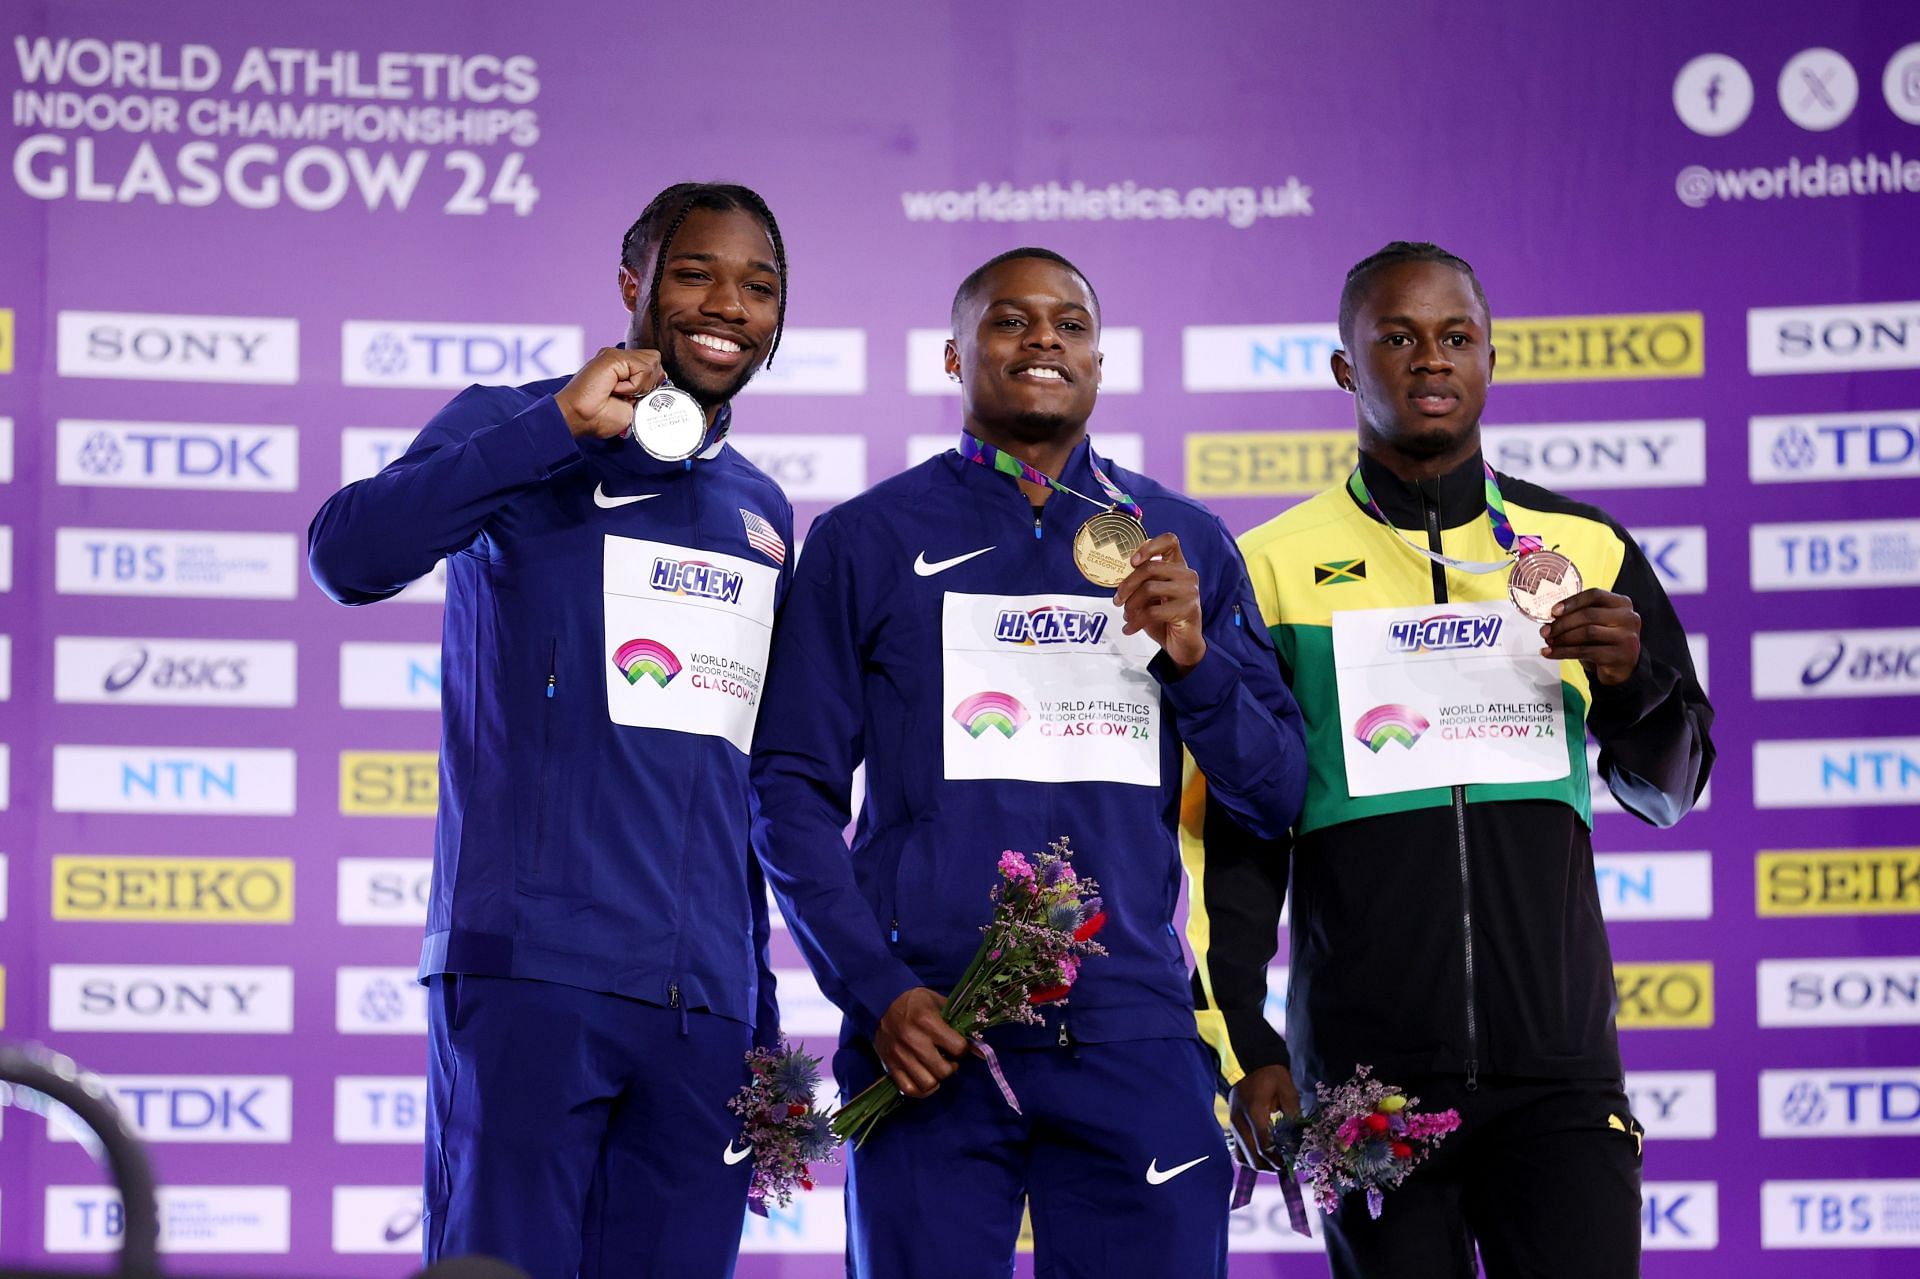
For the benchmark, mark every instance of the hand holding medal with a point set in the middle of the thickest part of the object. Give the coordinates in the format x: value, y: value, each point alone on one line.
x: 1599, y: 629
x: 1161, y: 596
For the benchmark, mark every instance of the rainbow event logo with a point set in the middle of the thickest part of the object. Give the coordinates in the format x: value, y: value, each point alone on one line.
x: 638, y: 657
x: 1391, y: 723
x: 983, y: 711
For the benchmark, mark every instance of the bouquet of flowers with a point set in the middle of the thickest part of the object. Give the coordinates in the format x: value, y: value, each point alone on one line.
x: 1362, y: 1135
x: 1044, y: 920
x: 781, y: 1126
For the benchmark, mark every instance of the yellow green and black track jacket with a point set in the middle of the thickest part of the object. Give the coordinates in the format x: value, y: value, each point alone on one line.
x: 1454, y: 929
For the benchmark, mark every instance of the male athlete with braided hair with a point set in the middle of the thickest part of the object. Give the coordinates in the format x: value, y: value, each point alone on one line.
x: 595, y: 948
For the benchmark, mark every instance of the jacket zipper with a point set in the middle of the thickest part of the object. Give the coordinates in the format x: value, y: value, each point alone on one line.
x: 1460, y: 833
x: 541, y: 798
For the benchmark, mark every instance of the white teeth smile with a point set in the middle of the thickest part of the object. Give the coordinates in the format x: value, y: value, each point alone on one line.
x: 713, y: 343
x: 1051, y: 375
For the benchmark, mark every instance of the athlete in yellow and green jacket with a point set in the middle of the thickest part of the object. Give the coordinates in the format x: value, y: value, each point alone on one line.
x: 1449, y: 936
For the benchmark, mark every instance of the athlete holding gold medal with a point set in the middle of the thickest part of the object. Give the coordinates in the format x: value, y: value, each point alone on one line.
x: 960, y: 585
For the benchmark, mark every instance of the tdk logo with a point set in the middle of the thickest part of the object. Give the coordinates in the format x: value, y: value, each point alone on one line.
x: 1446, y: 631
x: 455, y: 355
x: 1679, y: 1215
x: 1843, y: 446
x: 1050, y: 624
x: 1882, y: 1102
x: 200, y: 1108
x: 697, y: 578
x: 178, y: 348
x: 176, y: 455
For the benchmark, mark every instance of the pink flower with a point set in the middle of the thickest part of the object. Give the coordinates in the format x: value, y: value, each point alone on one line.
x: 1069, y: 969
x: 1014, y: 866
x: 1349, y: 1131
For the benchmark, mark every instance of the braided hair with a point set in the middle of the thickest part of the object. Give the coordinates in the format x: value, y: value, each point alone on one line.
x: 671, y: 208
x: 1393, y: 255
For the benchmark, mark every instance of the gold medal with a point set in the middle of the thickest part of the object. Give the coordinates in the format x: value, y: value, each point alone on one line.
x: 1540, y: 580
x: 1103, y: 548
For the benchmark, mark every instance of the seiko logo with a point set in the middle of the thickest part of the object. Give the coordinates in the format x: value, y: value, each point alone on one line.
x: 1812, y: 339
x: 1602, y: 454
x: 1447, y: 631
x: 177, y: 347
x: 694, y: 577
x: 453, y: 355
x: 1584, y: 348
x: 1050, y: 624
x: 1649, y: 995
x: 225, y: 889
x: 1266, y: 463
x: 1852, y: 881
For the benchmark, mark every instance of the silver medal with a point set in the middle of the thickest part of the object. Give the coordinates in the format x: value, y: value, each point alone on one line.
x: 668, y: 423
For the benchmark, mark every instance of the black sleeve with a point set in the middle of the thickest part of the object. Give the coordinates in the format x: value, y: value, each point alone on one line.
x: 1235, y: 899
x: 1655, y: 751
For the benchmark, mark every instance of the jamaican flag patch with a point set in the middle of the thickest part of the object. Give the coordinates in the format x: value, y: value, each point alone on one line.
x: 1338, y: 571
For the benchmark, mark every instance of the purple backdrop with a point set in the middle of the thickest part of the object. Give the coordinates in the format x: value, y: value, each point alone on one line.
x: 241, y: 247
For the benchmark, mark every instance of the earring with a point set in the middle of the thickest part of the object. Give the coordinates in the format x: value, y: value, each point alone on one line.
x: 954, y: 376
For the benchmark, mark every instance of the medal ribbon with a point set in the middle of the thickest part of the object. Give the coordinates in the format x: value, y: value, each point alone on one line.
x: 1514, y: 544
x: 976, y: 450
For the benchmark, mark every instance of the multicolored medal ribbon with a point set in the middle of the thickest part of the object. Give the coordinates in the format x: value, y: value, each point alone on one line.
x: 1104, y: 546
x: 1243, y: 1179
x: 1538, y: 578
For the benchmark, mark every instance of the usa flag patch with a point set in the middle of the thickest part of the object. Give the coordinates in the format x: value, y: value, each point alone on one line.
x: 763, y: 537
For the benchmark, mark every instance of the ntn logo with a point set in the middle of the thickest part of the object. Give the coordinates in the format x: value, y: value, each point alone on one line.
x: 1878, y: 770
x: 160, y: 778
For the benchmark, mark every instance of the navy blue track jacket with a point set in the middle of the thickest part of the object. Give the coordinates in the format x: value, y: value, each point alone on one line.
x: 603, y: 654
x: 940, y: 632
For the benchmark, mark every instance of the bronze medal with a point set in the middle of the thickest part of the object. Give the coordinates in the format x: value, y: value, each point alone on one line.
x: 1103, y: 548
x: 1541, y: 579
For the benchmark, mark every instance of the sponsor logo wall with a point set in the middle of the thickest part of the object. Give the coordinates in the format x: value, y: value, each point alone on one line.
x: 262, y: 255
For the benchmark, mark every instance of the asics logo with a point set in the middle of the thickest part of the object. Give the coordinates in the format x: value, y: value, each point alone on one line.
x: 1157, y: 1175
x: 924, y: 569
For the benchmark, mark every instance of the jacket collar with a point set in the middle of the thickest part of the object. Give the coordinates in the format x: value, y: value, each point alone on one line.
x: 1460, y: 494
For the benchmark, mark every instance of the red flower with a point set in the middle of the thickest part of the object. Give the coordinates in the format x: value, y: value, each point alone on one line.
x: 1049, y: 994
x: 1401, y: 1150
x: 1092, y: 926
x: 1376, y: 1123
x: 806, y: 1183
x: 795, y: 1110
